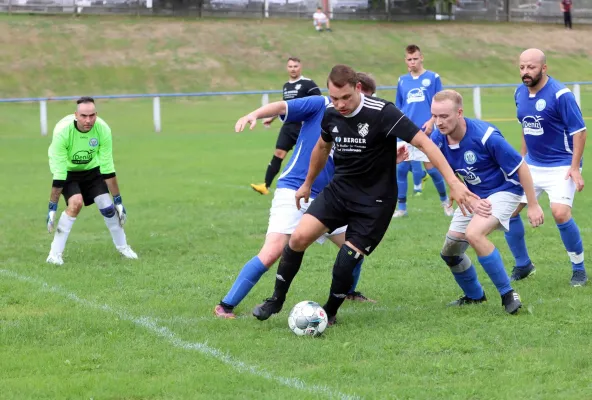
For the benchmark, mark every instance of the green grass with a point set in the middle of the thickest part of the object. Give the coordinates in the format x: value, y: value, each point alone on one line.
x: 105, y: 328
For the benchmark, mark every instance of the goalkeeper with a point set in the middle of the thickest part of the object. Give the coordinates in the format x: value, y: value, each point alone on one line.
x: 81, y: 161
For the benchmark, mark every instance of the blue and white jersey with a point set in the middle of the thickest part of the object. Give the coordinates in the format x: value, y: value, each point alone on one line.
x: 310, y: 111
x: 415, y: 94
x: 483, y: 158
x: 549, y: 120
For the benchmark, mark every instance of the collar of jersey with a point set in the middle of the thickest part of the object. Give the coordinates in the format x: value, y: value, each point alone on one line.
x: 534, y: 96
x: 357, y: 110
x: 296, y: 80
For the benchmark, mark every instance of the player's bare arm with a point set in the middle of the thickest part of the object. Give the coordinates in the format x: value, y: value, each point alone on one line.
x: 55, y: 194
x: 579, y: 142
x: 269, y: 110
x: 113, y: 186
x: 318, y: 159
x: 458, y: 191
x: 535, y: 213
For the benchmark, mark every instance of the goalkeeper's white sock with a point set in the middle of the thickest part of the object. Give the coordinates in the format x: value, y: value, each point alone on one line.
x: 116, y: 230
x: 61, y: 234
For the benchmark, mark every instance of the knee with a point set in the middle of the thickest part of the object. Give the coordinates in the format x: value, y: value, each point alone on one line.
x: 108, y: 212
x: 75, y: 204
x: 279, y: 153
x: 453, y: 251
x: 561, y: 213
x: 473, y: 237
x: 300, y: 241
x: 451, y: 261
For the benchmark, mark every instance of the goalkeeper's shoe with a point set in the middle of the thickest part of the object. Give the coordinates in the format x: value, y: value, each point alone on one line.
x: 127, y: 252
x: 260, y: 188
x: 55, y: 259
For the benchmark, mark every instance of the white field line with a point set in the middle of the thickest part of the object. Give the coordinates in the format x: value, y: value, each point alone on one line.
x: 151, y: 325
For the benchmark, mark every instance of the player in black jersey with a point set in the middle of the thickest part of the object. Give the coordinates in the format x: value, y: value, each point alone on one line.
x: 362, y: 131
x: 297, y: 87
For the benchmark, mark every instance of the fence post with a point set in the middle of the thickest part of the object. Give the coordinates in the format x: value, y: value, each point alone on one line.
x: 156, y: 112
x: 477, y: 101
x: 576, y: 93
x: 265, y: 99
x: 266, y: 8
x: 43, y: 117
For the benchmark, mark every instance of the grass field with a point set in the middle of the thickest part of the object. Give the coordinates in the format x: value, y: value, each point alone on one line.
x: 105, y: 328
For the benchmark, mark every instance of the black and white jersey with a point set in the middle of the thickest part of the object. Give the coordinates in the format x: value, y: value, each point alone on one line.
x: 365, y: 149
x: 302, y: 87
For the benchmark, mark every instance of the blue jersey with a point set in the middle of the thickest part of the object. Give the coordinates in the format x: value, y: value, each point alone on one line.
x: 310, y: 111
x: 415, y: 94
x: 483, y: 158
x: 549, y: 120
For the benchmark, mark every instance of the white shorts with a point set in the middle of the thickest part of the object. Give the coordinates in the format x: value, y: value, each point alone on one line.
x: 552, y: 181
x: 414, y: 153
x: 284, y: 216
x: 503, y: 205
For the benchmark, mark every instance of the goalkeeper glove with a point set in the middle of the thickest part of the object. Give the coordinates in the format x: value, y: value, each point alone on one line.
x: 53, y: 207
x: 121, y: 213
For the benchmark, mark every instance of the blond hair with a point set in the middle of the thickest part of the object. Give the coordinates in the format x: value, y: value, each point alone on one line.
x: 450, y: 94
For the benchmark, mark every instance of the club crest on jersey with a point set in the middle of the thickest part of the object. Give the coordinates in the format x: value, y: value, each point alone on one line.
x: 363, y: 129
x: 93, y: 142
x: 470, y: 157
x: 531, y: 125
x: 338, y: 139
x: 297, y: 87
x: 426, y: 82
x: 540, y: 104
x: 415, y: 96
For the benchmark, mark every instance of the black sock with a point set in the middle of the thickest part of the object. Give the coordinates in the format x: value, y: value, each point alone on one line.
x: 272, y: 170
x: 287, y: 270
x: 346, y: 261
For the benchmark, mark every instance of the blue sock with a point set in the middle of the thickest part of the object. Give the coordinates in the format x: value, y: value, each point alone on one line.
x: 494, y: 266
x: 403, y: 204
x: 418, y: 174
x: 246, y: 279
x: 402, y: 172
x: 516, y: 242
x: 468, y: 282
x: 570, y: 234
x: 438, y: 183
x: 356, y: 275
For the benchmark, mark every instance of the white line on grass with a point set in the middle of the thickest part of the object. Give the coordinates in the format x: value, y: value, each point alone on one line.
x: 163, y: 332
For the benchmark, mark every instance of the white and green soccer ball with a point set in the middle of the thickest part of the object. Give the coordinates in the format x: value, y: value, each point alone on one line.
x: 307, y: 318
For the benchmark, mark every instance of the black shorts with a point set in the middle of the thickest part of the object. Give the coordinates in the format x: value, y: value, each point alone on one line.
x: 288, y: 136
x: 366, y: 225
x: 88, y: 183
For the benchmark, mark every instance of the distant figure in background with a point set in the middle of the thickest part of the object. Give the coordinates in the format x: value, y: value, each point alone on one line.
x: 320, y: 18
x: 566, y: 9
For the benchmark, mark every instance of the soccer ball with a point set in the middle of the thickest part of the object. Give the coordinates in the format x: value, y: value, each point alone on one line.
x: 307, y: 318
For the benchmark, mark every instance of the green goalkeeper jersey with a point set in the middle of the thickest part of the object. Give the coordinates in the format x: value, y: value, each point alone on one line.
x: 72, y: 150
